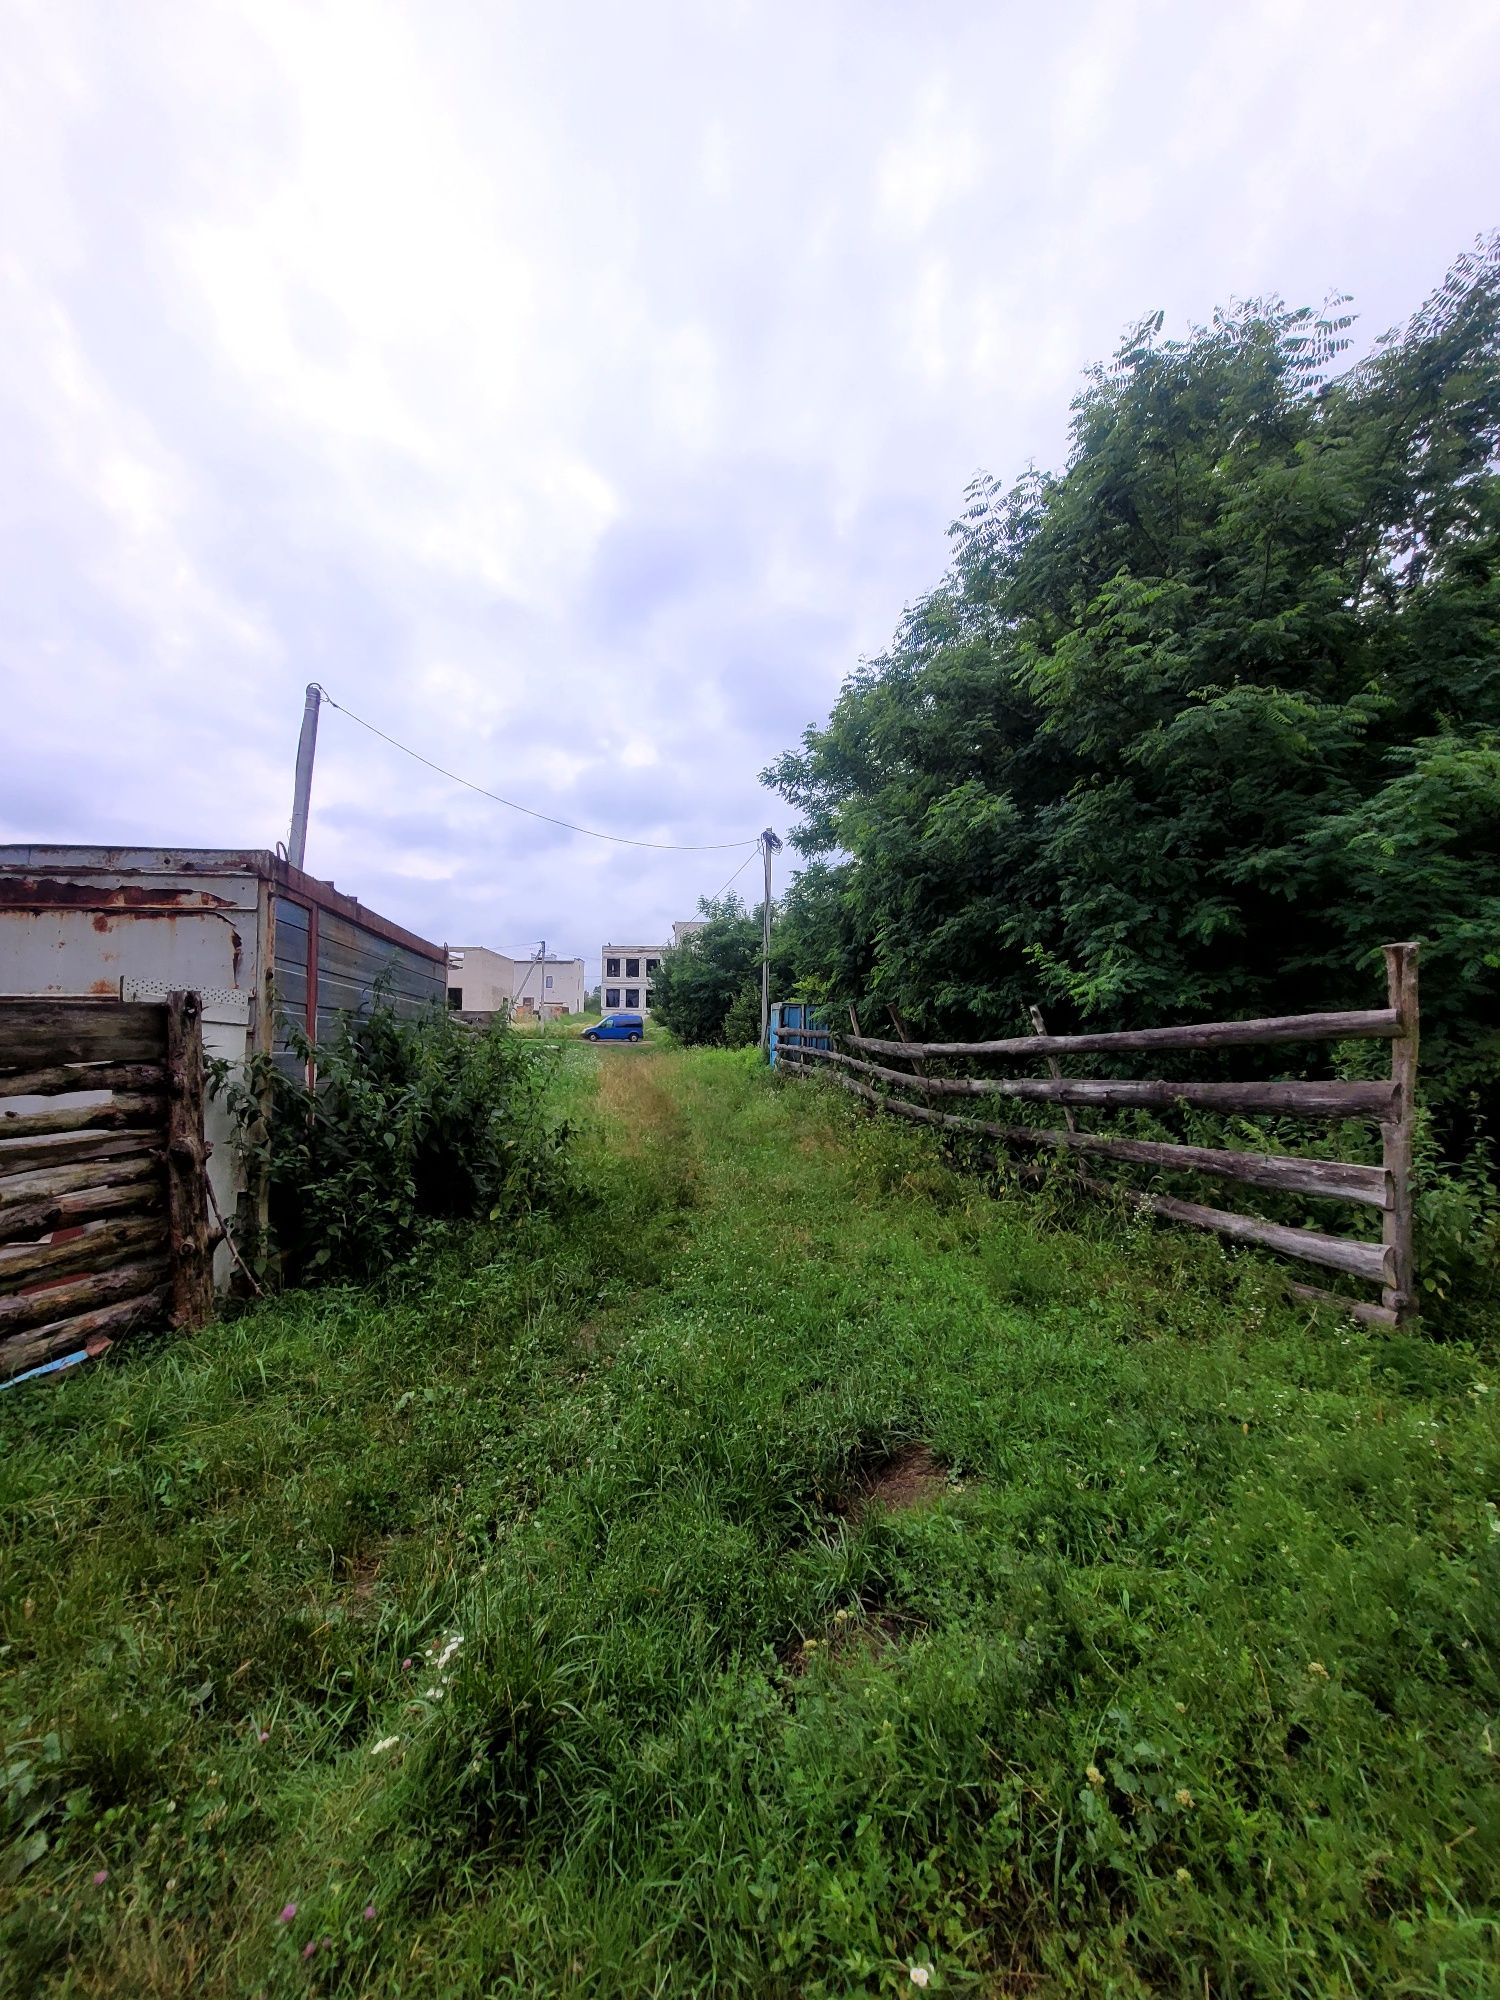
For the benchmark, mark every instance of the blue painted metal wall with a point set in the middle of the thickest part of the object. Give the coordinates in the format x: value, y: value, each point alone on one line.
x: 797, y: 1014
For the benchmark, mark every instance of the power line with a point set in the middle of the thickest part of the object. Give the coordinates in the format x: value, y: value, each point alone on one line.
x: 620, y: 839
x: 738, y: 871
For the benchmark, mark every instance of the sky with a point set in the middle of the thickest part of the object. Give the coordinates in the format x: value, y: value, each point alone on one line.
x: 580, y: 393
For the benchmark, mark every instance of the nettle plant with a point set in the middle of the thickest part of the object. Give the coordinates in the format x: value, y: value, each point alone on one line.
x: 406, y: 1124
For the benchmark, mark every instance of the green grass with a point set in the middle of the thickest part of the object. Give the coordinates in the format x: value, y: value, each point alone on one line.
x: 1184, y: 1684
x: 559, y: 1023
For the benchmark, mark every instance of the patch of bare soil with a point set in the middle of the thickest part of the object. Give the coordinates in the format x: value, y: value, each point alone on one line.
x: 911, y: 1477
x: 587, y: 1336
x: 872, y: 1636
x: 363, y: 1575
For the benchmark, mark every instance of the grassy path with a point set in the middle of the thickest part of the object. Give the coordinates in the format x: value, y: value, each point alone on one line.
x: 537, y: 1625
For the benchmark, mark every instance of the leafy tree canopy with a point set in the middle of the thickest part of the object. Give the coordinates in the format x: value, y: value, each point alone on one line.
x: 700, y: 988
x: 1190, y: 729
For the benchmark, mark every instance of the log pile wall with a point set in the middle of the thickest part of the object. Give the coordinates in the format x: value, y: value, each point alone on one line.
x: 103, y: 1216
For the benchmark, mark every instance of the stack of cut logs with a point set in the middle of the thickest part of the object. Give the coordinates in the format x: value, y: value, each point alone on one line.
x: 103, y: 1216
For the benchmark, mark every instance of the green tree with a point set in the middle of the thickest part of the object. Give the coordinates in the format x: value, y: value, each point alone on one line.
x: 700, y: 985
x: 1192, y: 727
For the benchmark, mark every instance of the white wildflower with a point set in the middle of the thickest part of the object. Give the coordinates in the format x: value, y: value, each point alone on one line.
x: 919, y: 1974
x: 386, y: 1743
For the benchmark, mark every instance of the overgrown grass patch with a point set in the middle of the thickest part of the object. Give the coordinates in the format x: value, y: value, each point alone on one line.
x: 1184, y: 1677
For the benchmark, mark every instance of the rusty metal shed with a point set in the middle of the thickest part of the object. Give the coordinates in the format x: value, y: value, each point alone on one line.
x: 263, y: 943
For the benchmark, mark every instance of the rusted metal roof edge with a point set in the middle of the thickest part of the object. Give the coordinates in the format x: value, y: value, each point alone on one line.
x: 31, y: 859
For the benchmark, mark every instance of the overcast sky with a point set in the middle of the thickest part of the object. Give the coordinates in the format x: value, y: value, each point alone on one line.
x: 578, y: 392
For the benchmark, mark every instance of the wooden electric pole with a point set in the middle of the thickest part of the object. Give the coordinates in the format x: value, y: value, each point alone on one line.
x: 768, y: 844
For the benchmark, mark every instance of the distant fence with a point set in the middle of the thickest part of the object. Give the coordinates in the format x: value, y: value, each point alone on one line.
x: 1390, y: 1103
x: 103, y: 1217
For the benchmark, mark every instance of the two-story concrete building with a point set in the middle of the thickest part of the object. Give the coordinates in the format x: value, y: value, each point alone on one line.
x: 625, y: 974
x: 481, y: 981
x: 626, y: 970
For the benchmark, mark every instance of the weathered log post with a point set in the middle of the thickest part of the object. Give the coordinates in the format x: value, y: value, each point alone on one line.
x: 903, y: 1033
x: 1070, y: 1117
x: 1399, y: 1294
x: 187, y: 1160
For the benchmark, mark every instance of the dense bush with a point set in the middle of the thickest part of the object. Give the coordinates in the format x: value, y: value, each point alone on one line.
x: 1191, y: 729
x: 408, y: 1122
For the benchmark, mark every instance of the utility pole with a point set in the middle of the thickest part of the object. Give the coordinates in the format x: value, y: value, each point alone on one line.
x: 307, y: 744
x: 768, y: 845
x: 526, y: 980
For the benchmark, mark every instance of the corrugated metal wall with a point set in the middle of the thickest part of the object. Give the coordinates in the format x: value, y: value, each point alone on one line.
x: 350, y: 963
x: 291, y: 932
x: 351, y: 959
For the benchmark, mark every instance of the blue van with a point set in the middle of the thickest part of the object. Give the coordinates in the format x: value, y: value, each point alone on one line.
x: 617, y: 1028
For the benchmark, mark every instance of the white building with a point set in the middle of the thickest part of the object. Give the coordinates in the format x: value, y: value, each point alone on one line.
x: 481, y: 981
x: 626, y: 970
x: 625, y: 973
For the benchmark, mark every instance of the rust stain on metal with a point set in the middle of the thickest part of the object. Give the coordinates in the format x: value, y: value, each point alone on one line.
x: 45, y: 892
x: 105, y: 988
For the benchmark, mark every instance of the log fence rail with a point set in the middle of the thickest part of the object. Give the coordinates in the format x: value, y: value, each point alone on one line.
x: 1390, y: 1103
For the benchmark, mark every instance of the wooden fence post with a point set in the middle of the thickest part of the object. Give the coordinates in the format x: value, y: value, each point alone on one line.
x: 187, y: 1158
x: 1396, y: 1137
x: 1054, y: 1065
x: 898, y: 1022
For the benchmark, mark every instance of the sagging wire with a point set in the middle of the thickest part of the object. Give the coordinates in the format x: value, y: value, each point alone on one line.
x: 593, y: 833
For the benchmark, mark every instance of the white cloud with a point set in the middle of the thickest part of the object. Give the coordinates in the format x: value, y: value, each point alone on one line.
x: 940, y: 161
x: 579, y: 394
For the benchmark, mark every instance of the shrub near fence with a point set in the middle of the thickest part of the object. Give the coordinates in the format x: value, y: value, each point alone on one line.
x: 389, y: 1125
x: 1390, y: 1103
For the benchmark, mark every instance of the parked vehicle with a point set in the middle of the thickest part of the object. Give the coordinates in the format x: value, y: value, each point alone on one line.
x: 616, y: 1028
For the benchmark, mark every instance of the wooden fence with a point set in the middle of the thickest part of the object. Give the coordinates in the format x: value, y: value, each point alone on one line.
x: 103, y: 1218
x: 1390, y: 1103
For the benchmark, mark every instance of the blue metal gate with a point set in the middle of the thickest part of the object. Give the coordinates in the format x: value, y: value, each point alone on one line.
x: 798, y: 1014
